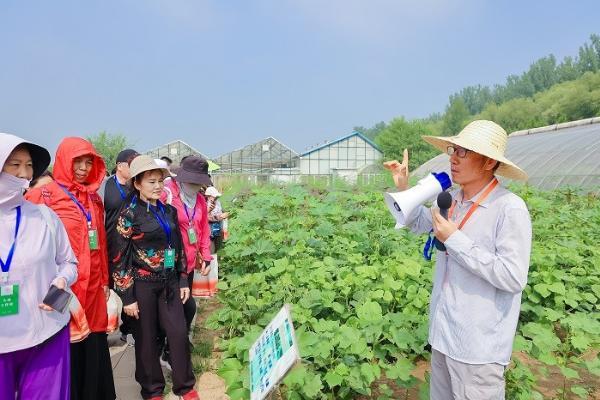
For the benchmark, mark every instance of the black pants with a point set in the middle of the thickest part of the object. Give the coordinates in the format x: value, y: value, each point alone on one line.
x: 127, y: 323
x: 189, y: 307
x: 91, y: 370
x: 155, y: 312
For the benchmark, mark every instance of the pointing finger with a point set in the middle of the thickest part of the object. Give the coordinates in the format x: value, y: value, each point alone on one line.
x: 405, y: 158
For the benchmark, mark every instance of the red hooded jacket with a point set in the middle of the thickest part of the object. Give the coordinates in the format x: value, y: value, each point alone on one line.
x: 93, y: 266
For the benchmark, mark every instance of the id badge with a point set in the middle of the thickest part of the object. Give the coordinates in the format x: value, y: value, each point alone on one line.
x: 169, y: 258
x: 9, y: 299
x: 93, y: 239
x: 192, y: 235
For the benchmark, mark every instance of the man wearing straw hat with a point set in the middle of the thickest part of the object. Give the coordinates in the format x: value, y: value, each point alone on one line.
x: 478, y: 280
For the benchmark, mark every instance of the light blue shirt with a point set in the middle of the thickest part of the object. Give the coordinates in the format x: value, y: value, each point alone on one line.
x: 477, y: 286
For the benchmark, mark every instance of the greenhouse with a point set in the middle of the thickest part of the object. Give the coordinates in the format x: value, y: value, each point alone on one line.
x: 350, y: 154
x: 555, y: 156
x: 263, y: 157
x: 176, y: 150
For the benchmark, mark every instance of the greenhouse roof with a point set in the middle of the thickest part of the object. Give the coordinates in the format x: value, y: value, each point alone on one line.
x: 327, y: 144
x: 562, y: 155
x: 265, y: 154
x: 176, y: 150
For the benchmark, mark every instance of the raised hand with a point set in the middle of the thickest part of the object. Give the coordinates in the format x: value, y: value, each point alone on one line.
x: 399, y: 171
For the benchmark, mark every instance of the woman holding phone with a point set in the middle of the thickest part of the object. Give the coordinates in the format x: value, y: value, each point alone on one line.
x: 35, y: 254
x: 78, y: 173
x: 150, y: 276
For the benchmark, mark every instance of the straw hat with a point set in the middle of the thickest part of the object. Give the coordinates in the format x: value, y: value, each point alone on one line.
x: 486, y: 138
x: 143, y: 163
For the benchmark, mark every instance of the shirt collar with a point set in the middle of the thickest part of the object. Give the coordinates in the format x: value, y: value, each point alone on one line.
x: 485, y: 202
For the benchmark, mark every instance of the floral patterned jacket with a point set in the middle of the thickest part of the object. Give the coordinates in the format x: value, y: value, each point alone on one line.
x: 142, y: 241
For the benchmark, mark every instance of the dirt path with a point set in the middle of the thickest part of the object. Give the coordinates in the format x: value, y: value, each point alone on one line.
x: 206, y: 354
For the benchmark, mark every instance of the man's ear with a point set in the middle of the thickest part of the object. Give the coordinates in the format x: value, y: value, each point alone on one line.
x: 490, y: 164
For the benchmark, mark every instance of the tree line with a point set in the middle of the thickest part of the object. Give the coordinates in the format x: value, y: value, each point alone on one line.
x: 547, y: 93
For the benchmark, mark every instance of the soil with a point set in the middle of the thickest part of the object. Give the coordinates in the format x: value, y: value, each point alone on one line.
x: 208, y: 384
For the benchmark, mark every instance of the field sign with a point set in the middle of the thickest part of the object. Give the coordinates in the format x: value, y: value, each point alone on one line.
x: 273, y: 354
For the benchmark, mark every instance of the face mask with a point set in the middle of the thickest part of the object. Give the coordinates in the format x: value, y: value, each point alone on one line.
x: 188, y: 194
x: 12, y: 188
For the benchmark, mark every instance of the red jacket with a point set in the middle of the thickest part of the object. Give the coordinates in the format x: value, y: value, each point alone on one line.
x: 200, y: 224
x: 93, y: 266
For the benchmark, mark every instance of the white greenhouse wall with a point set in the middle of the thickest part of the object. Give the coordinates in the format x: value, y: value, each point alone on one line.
x: 350, y: 153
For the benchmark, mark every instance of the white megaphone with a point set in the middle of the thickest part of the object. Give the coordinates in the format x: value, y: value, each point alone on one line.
x: 402, y: 204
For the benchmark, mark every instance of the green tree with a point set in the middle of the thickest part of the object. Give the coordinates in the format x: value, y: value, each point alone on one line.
x: 542, y: 73
x: 567, y: 70
x: 589, y: 55
x: 372, y: 132
x: 455, y: 117
x: 474, y: 97
x: 514, y: 115
x: 109, y: 146
x: 401, y: 134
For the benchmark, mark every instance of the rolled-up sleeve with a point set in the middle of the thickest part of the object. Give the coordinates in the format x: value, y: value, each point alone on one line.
x: 507, y: 267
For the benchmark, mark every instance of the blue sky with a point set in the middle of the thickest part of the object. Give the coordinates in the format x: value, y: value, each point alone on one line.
x: 223, y: 74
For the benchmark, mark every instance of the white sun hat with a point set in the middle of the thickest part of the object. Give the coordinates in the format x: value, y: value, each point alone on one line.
x: 212, y: 191
x: 486, y: 138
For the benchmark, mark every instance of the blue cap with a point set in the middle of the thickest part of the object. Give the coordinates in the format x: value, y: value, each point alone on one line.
x: 443, y: 179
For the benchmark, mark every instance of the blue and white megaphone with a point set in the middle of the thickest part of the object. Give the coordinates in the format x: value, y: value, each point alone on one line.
x: 402, y: 204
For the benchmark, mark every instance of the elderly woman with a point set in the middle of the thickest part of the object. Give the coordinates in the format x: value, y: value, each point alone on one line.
x: 150, y: 276
x: 78, y: 173
x: 34, y: 338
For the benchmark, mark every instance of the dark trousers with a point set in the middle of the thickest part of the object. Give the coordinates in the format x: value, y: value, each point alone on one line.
x: 126, y: 324
x: 189, y: 307
x: 91, y: 369
x: 155, y: 312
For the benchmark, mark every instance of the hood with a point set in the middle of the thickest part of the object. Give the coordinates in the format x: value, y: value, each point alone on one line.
x: 69, y: 149
x: 39, y: 155
x: 11, y: 187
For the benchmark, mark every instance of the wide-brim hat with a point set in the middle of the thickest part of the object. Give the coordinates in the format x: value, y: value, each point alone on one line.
x: 193, y: 170
x: 143, y: 163
x: 486, y: 138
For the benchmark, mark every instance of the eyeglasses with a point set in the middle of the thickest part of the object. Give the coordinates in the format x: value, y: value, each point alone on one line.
x: 460, y: 152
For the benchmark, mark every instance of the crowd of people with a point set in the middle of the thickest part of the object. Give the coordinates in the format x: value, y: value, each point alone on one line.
x: 145, y: 232
x: 150, y: 232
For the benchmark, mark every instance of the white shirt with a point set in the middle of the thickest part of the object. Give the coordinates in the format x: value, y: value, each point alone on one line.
x: 40, y: 257
x: 477, y: 286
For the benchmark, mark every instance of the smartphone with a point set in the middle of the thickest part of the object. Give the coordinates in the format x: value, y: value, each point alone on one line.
x: 58, y: 299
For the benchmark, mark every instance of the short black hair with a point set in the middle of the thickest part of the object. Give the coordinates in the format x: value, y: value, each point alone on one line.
x: 167, y: 159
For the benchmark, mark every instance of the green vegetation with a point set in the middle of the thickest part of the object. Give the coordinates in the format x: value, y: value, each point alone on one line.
x: 360, y: 291
x: 109, y: 146
x: 547, y: 93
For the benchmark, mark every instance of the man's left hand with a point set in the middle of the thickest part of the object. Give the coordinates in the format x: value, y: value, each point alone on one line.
x: 442, y: 228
